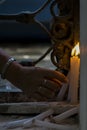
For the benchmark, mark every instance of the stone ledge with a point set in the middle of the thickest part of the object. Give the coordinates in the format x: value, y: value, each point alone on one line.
x: 34, y: 107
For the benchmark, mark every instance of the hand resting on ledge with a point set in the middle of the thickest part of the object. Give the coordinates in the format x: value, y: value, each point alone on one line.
x: 36, y: 82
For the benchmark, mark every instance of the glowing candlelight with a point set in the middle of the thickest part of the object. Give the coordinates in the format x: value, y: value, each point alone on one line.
x: 75, y: 50
x: 74, y: 74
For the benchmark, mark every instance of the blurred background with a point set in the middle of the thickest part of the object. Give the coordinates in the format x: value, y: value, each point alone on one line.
x: 12, y: 31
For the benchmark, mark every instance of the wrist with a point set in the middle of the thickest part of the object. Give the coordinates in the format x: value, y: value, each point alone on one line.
x: 3, y: 59
x: 6, y: 67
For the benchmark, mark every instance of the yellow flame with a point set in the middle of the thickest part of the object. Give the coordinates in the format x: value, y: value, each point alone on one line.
x: 75, y: 50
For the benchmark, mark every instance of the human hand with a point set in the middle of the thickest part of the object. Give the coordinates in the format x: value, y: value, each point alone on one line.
x: 40, y: 83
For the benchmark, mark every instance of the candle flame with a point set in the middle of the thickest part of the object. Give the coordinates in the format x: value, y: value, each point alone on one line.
x: 75, y: 50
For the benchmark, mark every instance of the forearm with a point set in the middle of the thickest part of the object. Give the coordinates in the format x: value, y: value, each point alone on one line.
x: 3, y: 59
x: 13, y: 73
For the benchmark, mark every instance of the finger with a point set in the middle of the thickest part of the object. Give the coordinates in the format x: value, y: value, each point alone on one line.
x: 57, y: 81
x: 56, y: 75
x: 38, y: 97
x: 52, y: 85
x: 46, y: 92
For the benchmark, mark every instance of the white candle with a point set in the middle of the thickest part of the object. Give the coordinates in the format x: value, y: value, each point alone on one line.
x: 74, y: 77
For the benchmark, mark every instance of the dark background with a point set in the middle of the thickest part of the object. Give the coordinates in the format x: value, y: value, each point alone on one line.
x: 12, y: 31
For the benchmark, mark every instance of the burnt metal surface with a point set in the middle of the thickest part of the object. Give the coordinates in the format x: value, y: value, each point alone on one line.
x: 65, y: 32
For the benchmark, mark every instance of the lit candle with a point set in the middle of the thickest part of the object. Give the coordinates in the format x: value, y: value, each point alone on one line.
x: 74, y: 75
